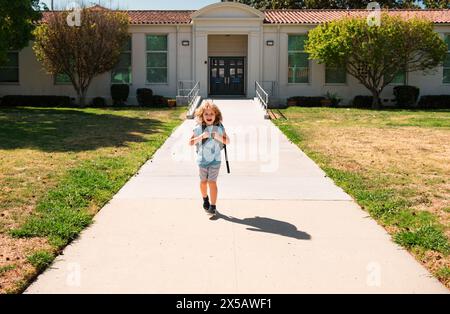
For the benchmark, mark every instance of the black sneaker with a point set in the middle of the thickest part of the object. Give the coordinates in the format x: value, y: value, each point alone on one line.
x: 212, y: 210
x: 206, y: 203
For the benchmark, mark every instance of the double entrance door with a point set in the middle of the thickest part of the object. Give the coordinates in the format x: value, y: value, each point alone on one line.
x: 227, y: 76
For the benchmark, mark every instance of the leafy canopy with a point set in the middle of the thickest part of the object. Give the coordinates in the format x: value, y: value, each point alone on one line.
x: 81, y: 52
x: 376, y: 54
x: 17, y: 20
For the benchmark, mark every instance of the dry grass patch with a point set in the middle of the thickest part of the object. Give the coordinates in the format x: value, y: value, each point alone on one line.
x: 396, y: 164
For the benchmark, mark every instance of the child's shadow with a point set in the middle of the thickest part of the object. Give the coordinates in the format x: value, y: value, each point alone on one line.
x: 268, y: 225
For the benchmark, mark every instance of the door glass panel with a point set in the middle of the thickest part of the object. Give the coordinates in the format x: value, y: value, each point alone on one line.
x: 232, y: 63
x: 221, y: 72
x: 221, y: 62
x: 214, y: 73
x: 240, y: 71
x: 232, y: 72
x: 240, y: 62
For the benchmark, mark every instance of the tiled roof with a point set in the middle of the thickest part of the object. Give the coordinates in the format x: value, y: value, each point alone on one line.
x: 322, y: 16
x: 160, y: 17
x: 142, y: 17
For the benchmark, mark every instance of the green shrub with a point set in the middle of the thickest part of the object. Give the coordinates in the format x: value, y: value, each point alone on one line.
x: 406, y: 96
x: 98, y: 102
x: 36, y: 101
x: 363, y: 101
x: 434, y: 102
x: 159, y: 101
x: 144, y: 97
x: 120, y: 93
x: 306, y: 101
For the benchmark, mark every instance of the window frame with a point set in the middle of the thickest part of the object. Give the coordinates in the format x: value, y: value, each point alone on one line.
x: 335, y: 84
x: 10, y: 67
x: 298, y: 51
x: 157, y: 51
x: 55, y: 81
x: 405, y: 82
x: 130, y: 52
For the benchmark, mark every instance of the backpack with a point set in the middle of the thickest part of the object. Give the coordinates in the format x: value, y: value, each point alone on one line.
x: 222, y: 146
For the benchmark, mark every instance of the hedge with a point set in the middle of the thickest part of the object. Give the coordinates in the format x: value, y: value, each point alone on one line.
x: 363, y: 101
x: 119, y: 94
x: 304, y: 101
x: 36, y: 101
x: 434, y: 102
x: 406, y: 96
x: 144, y: 97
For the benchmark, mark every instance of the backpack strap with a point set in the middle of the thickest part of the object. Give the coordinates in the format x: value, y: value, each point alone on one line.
x: 225, y: 151
x: 203, y: 131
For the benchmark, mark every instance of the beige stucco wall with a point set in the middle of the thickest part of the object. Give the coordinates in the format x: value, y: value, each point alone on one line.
x: 227, y: 45
x: 207, y: 37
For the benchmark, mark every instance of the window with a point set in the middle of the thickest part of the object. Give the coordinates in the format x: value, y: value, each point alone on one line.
x: 62, y: 79
x: 121, y: 74
x: 298, y: 62
x: 156, y: 59
x: 335, y: 75
x: 399, y: 78
x: 447, y: 61
x: 9, y: 71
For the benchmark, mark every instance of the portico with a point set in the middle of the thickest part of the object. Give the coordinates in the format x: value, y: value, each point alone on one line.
x: 221, y: 31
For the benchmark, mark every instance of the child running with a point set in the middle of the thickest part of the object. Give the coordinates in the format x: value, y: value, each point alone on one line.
x: 209, y: 135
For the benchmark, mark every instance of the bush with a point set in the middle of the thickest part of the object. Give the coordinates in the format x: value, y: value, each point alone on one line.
x: 144, y: 97
x: 406, y: 96
x: 434, y: 102
x: 159, y: 101
x: 363, y: 101
x: 36, y: 101
x: 98, y: 102
x: 304, y: 101
x: 120, y: 93
x: 333, y: 98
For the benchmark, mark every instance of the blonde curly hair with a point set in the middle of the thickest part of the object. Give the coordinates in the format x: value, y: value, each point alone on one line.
x: 205, y: 106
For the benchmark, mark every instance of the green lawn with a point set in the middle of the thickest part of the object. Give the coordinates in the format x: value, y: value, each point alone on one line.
x: 58, y: 167
x: 395, y: 164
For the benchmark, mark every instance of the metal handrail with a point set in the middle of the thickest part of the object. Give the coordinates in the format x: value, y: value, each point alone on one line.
x: 182, y: 89
x: 263, y: 97
x: 192, y: 97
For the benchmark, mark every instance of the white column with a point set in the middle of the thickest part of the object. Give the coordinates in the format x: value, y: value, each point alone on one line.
x: 138, y: 66
x: 253, y: 62
x: 201, y: 62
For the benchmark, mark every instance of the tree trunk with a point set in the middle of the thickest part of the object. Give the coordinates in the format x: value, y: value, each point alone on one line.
x: 82, y: 98
x: 376, y: 103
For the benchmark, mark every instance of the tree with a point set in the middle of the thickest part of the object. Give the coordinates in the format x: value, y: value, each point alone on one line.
x: 326, y: 4
x: 376, y: 54
x: 271, y: 4
x: 81, y: 52
x: 17, y: 20
x: 356, y: 4
x: 437, y: 4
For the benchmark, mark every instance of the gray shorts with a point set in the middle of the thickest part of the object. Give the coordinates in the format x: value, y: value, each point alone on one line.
x: 209, y: 173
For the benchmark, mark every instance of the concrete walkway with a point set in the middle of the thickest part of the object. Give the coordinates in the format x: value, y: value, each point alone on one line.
x: 284, y: 227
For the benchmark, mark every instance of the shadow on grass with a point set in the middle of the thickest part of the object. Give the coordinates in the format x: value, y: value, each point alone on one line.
x: 66, y: 130
x: 268, y: 225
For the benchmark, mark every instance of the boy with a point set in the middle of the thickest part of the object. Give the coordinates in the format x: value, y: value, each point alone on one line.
x: 209, y: 136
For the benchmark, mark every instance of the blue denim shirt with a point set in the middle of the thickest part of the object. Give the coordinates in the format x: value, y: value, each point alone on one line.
x: 209, y: 153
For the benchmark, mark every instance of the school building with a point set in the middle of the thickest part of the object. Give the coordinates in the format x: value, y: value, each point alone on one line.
x: 226, y: 47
